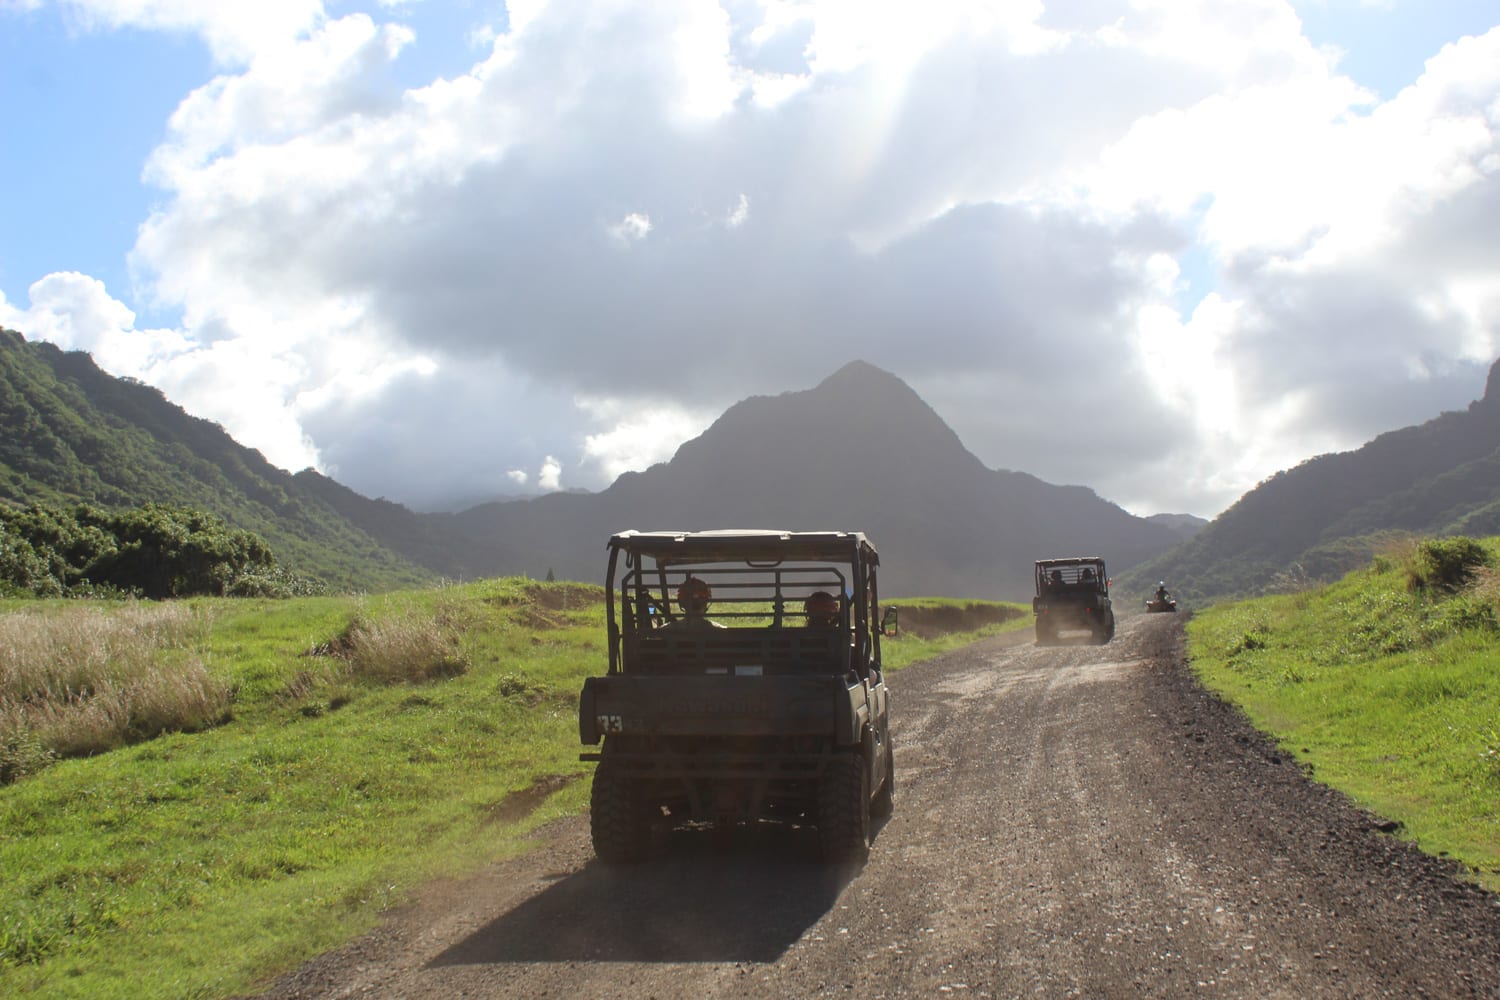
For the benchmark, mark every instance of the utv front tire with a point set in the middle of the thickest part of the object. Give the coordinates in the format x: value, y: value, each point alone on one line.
x: 618, y: 821
x: 844, y: 810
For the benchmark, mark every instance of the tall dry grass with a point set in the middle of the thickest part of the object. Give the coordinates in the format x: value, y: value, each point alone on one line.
x: 394, y: 645
x: 1485, y: 585
x: 87, y: 679
x: 406, y: 645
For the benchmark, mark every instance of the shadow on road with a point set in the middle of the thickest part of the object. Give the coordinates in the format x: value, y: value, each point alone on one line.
x: 700, y: 901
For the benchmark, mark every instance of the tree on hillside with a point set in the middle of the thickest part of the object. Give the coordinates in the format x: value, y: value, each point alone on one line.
x: 166, y: 551
x: 155, y: 551
x: 22, y: 569
x: 49, y: 550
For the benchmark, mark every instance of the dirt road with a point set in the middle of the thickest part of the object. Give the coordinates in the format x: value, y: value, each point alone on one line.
x: 1072, y: 821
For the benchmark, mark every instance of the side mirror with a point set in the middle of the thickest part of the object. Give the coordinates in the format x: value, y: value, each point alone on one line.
x: 889, y: 622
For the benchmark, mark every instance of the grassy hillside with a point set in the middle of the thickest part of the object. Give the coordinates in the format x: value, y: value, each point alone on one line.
x: 73, y: 433
x: 351, y: 748
x: 1384, y: 686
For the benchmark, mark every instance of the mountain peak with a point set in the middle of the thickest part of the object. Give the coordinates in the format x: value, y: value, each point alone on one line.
x: 1492, y: 386
x: 859, y: 371
x: 858, y: 412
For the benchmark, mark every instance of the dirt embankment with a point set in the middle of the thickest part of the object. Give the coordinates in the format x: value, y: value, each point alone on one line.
x: 1071, y: 821
x: 928, y: 622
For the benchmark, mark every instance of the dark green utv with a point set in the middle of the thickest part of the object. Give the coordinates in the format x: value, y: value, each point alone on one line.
x: 1072, y: 595
x: 744, y: 686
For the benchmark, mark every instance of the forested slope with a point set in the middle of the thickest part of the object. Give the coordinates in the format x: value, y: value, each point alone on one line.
x: 1330, y: 514
x: 73, y: 433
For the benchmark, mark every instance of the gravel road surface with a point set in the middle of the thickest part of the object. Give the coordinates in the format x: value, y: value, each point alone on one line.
x: 1071, y: 821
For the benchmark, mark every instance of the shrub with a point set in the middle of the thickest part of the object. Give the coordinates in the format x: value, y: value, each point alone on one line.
x: 1445, y: 563
x: 23, y: 571
x: 156, y: 551
x: 275, y: 582
x: 166, y: 551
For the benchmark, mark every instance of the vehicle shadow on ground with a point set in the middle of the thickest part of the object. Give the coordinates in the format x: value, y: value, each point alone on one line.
x: 700, y: 899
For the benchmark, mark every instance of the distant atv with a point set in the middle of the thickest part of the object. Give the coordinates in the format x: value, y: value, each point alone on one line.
x: 744, y: 685
x: 1072, y: 595
x: 1161, y: 601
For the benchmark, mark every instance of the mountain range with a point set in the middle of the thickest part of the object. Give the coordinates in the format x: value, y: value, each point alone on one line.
x: 859, y: 450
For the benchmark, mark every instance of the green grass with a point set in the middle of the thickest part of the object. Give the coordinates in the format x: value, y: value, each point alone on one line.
x: 1385, y: 685
x: 373, y: 744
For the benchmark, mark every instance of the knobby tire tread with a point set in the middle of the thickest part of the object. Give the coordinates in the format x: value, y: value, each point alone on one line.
x: 617, y: 823
x: 844, y: 810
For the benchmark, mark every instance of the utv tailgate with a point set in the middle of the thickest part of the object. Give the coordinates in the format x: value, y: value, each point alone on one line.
x: 719, y: 706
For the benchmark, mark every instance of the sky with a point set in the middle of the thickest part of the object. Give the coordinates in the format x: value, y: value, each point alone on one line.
x: 451, y: 251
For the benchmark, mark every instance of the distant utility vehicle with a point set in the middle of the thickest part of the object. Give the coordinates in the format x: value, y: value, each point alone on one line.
x: 1072, y: 595
x: 744, y: 685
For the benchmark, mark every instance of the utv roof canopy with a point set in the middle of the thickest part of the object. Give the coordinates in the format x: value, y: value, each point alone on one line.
x: 669, y: 547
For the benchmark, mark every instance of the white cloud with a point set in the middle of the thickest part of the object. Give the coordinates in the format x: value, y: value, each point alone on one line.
x: 235, y: 30
x: 631, y: 229
x: 76, y: 313
x: 639, y: 435
x: 286, y: 96
x: 427, y: 289
x: 550, y: 477
x: 740, y: 213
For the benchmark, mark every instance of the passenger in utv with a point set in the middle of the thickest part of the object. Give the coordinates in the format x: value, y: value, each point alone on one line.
x: 692, y: 600
x: 822, y: 609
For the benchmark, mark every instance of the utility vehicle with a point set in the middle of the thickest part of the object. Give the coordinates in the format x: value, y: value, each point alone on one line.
x: 744, y: 686
x: 1072, y: 595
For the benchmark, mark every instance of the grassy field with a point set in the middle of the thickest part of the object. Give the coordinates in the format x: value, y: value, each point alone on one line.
x: 1385, y: 685
x: 256, y: 781
x: 203, y: 793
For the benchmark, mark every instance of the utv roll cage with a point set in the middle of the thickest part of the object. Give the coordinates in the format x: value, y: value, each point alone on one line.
x: 760, y: 582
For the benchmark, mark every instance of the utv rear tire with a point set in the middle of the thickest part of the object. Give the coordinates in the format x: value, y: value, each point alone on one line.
x: 618, y: 821
x: 844, y: 810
